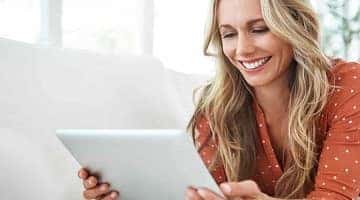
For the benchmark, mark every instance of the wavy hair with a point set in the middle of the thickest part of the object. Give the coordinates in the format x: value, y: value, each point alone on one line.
x: 226, y: 100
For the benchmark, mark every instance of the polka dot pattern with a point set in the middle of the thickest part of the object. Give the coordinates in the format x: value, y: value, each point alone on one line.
x: 339, y: 162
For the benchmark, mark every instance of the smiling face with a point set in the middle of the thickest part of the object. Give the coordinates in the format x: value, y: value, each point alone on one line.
x: 262, y: 58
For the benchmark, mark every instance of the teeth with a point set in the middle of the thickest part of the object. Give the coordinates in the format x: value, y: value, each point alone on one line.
x: 253, y: 65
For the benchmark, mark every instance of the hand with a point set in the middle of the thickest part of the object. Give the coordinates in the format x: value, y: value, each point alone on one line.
x: 244, y: 190
x: 95, y: 190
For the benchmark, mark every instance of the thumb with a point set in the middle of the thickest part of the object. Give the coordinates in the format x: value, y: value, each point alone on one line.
x: 246, y: 188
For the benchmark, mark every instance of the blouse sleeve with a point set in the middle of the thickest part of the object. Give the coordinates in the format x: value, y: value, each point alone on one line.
x: 207, y: 148
x: 338, y: 175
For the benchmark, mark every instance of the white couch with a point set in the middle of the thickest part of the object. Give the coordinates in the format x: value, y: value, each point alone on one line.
x: 44, y: 89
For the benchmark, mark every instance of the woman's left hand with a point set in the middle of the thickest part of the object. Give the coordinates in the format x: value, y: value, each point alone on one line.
x: 244, y: 190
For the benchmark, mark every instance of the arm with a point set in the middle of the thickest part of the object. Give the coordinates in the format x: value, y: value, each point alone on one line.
x: 338, y: 175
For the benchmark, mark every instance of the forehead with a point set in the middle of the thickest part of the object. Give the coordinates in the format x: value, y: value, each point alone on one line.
x: 238, y: 11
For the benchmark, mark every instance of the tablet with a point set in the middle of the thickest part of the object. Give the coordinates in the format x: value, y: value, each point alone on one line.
x: 140, y: 164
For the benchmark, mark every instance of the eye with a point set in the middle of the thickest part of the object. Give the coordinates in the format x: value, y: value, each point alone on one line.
x: 228, y: 35
x: 260, y: 30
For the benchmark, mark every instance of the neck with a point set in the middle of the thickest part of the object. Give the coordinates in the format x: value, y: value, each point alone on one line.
x: 273, y: 99
x: 273, y: 102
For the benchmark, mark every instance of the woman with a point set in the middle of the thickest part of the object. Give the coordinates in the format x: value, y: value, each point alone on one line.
x: 279, y: 120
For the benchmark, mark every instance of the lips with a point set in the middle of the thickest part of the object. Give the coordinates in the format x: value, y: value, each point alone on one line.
x: 256, y: 63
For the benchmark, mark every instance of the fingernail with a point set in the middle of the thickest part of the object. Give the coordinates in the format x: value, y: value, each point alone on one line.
x: 103, y: 187
x: 226, y: 188
x: 113, y: 195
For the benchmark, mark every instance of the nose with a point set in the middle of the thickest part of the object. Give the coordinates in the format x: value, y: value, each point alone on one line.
x: 245, y: 45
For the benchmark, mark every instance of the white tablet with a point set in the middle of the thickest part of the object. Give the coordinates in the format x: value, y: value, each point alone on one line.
x: 141, y: 164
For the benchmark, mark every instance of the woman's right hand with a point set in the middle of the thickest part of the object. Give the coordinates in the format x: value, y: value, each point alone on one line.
x: 94, y: 189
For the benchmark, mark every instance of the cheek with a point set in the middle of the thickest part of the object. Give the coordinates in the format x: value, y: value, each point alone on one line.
x: 228, y: 50
x: 272, y: 43
x: 227, y: 53
x: 286, y: 58
x: 289, y: 52
x: 269, y: 44
x: 275, y: 45
x: 286, y: 54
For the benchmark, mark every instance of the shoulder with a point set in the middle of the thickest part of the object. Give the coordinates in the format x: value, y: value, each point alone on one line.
x: 344, y: 100
x: 343, y: 73
x: 338, y: 162
x: 345, y: 77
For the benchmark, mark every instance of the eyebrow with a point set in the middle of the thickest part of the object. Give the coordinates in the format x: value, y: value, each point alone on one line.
x: 250, y: 22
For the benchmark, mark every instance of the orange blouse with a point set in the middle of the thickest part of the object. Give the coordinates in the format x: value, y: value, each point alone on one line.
x: 338, y: 173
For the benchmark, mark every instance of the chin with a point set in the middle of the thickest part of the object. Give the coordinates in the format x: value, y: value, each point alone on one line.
x: 256, y: 83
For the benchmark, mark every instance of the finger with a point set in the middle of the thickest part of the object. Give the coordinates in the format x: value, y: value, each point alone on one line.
x: 111, y: 196
x: 97, y: 191
x: 83, y: 173
x: 191, y: 194
x: 90, y: 182
x: 246, y: 189
x: 208, y: 194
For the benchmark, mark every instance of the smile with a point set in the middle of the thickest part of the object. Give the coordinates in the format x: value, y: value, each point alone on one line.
x: 256, y: 63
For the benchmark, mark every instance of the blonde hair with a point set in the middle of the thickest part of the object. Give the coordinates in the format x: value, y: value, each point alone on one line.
x: 226, y: 101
